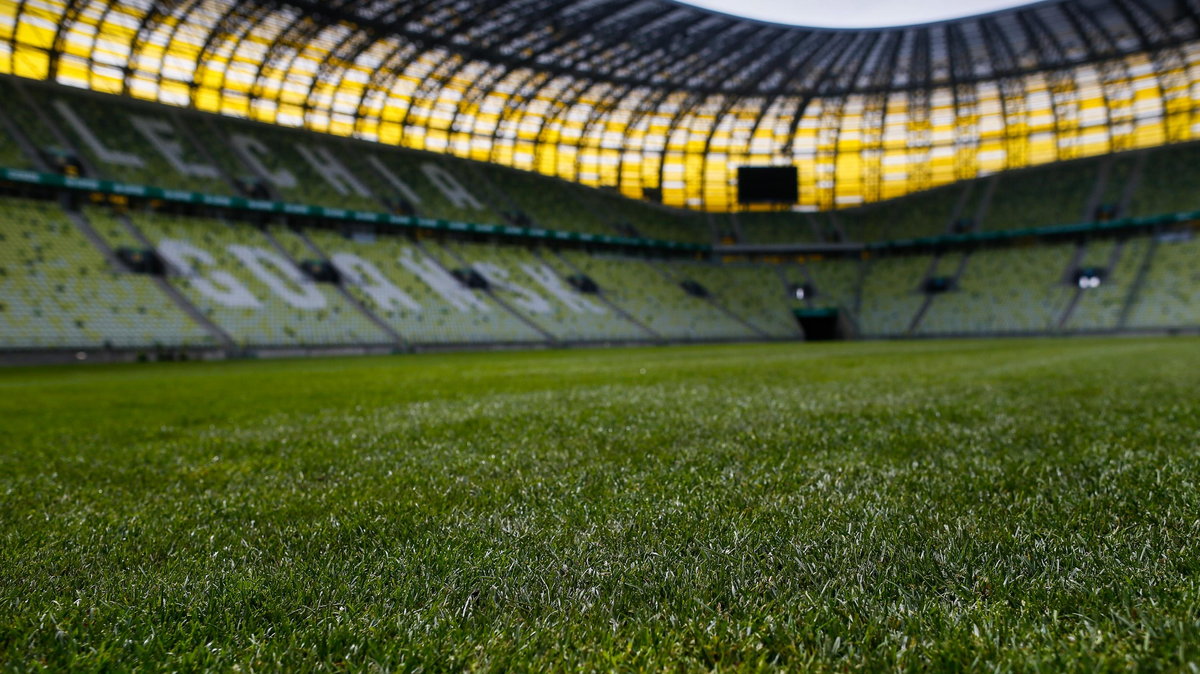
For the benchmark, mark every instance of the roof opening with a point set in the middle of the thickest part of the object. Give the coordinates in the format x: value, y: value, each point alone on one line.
x: 856, y: 13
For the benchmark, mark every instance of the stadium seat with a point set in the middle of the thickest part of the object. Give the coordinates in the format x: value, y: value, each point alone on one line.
x: 11, y: 155
x: 1168, y: 181
x: 235, y: 276
x: 655, y: 299
x: 1041, y: 196
x: 1018, y: 290
x: 647, y: 220
x: 527, y: 283
x: 775, y: 227
x: 755, y: 293
x: 1169, y: 296
x: 290, y: 162
x: 415, y: 294
x: 1100, y: 308
x: 916, y: 215
x: 58, y: 291
x: 132, y: 143
x: 29, y: 120
x: 552, y: 206
x: 835, y: 282
x: 891, y: 295
x: 435, y: 187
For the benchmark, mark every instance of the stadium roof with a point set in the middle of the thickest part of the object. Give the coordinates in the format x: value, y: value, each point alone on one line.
x: 650, y: 93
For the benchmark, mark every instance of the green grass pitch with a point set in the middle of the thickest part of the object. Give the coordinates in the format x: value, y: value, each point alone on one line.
x: 993, y: 505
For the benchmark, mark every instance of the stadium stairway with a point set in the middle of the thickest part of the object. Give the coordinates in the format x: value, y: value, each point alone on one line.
x: 751, y: 294
x: 986, y: 199
x: 815, y: 225
x: 1169, y: 293
x: 492, y: 191
x: 16, y: 150
x: 543, y: 295
x: 1132, y: 183
x: 1099, y: 309
x: 208, y: 155
x: 960, y: 207
x: 737, y: 232
x: 786, y: 272
x: 95, y: 238
x: 929, y: 275
x: 34, y: 125
x: 947, y: 265
x: 655, y: 300
x: 1082, y: 252
x: 1139, y: 281
x: 496, y: 288
x: 1099, y: 187
x: 716, y: 291
x: 118, y: 140
x: 58, y: 291
x: 566, y: 269
x: 834, y: 283
x: 303, y: 248
x: 1004, y: 291
x: 118, y: 228
x: 891, y: 294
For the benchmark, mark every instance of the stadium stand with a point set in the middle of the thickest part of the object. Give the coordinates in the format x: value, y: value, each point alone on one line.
x: 508, y: 303
x: 289, y: 164
x: 753, y: 293
x: 891, y: 295
x: 416, y: 294
x: 1169, y: 296
x: 627, y: 217
x: 1043, y: 195
x: 58, y: 291
x: 235, y: 276
x: 12, y: 155
x: 31, y: 124
x: 108, y: 224
x: 399, y: 291
x: 1168, y: 182
x: 543, y: 295
x: 1100, y: 308
x: 1118, y: 184
x: 549, y: 206
x: 687, y: 227
x: 834, y: 281
x: 922, y: 214
x: 131, y: 143
x: 428, y: 185
x: 149, y: 145
x: 775, y: 227
x: 656, y: 300
x: 1019, y: 289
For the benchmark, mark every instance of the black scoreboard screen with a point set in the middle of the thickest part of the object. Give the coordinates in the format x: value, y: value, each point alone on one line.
x: 768, y: 185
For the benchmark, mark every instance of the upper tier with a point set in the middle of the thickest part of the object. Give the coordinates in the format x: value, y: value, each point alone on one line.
x: 651, y: 94
x: 144, y: 143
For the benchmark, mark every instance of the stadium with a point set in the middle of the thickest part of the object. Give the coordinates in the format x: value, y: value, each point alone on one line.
x: 406, y: 335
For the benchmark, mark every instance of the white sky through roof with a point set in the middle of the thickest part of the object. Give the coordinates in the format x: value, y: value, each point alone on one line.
x: 856, y: 13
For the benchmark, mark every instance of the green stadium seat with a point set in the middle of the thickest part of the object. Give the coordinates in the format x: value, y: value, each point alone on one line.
x: 58, y: 291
